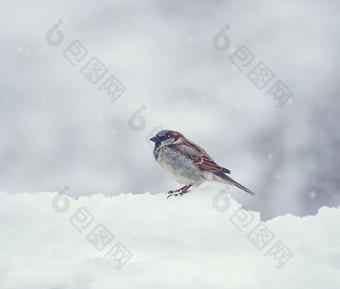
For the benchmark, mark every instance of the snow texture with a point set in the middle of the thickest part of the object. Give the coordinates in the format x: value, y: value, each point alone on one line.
x: 199, y: 240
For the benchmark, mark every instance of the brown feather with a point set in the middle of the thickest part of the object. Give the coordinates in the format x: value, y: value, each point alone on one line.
x: 202, y: 159
x: 233, y: 182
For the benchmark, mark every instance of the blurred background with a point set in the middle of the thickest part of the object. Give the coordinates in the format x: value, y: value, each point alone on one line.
x: 58, y: 128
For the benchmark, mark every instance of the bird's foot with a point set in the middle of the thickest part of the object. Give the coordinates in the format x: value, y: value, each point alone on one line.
x: 179, y: 192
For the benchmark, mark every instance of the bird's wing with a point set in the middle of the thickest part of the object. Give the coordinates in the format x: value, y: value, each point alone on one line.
x: 199, y: 157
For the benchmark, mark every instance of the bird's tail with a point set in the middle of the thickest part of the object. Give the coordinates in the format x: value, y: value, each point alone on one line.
x: 230, y: 181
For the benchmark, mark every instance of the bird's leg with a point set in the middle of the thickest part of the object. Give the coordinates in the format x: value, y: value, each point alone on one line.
x: 180, y: 191
x: 185, y: 189
x: 173, y: 193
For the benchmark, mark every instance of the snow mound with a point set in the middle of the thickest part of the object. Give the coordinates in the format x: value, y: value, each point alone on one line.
x: 199, y: 240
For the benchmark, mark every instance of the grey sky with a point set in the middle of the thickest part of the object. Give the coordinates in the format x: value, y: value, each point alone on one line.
x: 57, y: 129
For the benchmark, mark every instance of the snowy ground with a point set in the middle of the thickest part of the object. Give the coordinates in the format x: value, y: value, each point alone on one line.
x: 200, y: 240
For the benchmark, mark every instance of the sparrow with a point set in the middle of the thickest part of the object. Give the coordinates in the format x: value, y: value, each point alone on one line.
x: 187, y: 163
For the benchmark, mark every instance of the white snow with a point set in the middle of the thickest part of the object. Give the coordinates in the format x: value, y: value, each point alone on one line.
x: 181, y: 242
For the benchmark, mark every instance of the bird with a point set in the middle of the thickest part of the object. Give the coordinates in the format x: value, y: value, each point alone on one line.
x: 187, y: 163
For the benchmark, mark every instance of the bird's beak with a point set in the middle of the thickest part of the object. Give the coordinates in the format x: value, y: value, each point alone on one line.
x: 154, y: 139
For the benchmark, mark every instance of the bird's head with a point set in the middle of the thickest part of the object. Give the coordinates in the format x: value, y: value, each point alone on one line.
x: 167, y: 137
